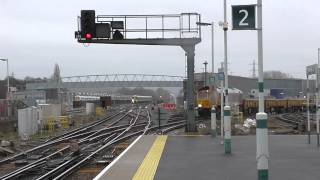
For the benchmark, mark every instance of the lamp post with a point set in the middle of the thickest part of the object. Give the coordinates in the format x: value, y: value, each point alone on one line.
x: 221, y: 70
x: 227, y: 118
x: 212, y: 41
x: 205, y: 73
x: 317, y: 100
x: 8, y: 83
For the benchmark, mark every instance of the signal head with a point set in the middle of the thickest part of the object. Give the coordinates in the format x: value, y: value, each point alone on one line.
x: 88, y: 36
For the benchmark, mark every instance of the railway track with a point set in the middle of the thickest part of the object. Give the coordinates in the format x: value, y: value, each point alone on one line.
x: 61, y: 156
x: 296, y: 119
x: 58, y: 139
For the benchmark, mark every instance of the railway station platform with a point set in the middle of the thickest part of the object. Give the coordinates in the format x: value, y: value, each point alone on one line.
x: 202, y: 158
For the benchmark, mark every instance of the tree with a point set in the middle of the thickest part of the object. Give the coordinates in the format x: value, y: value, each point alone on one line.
x: 276, y: 75
x: 28, y: 78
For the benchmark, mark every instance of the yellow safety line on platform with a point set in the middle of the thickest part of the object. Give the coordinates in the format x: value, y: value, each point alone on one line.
x: 189, y: 135
x: 148, y: 168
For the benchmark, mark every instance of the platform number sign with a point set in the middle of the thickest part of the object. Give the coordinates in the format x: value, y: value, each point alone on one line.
x: 244, y: 17
x: 221, y: 76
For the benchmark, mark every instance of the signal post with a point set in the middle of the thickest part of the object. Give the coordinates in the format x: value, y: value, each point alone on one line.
x: 243, y: 17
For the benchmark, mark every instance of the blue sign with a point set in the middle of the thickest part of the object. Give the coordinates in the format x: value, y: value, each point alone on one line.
x: 212, y: 80
x: 221, y: 76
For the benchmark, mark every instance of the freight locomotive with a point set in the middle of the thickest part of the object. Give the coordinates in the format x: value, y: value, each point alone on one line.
x: 210, y: 96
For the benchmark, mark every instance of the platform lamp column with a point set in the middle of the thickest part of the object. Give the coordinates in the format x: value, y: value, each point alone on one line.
x: 205, y: 73
x: 221, y: 105
x: 212, y: 41
x: 317, y: 98
x: 308, y: 108
x: 227, y: 118
x: 317, y: 103
x: 261, y: 116
x: 212, y: 47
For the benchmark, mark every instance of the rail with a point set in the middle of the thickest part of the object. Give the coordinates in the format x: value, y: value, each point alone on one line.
x: 91, y: 142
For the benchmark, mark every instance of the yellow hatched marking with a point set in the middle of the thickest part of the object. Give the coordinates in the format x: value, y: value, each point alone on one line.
x: 148, y: 168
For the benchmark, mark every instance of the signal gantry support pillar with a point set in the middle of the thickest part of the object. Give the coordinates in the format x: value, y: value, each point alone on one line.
x: 191, y: 124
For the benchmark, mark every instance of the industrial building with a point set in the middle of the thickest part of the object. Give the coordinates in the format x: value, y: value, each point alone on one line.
x: 292, y: 87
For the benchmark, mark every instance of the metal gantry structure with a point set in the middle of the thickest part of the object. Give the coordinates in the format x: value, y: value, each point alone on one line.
x: 167, y: 30
x: 124, y: 78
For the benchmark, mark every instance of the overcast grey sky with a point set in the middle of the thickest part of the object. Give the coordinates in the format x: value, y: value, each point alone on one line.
x: 36, y: 34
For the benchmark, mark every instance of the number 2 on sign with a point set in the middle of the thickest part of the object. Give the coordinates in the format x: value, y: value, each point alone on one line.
x: 241, y: 23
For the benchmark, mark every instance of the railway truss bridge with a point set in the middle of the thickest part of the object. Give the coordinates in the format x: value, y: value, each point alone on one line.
x: 110, y: 82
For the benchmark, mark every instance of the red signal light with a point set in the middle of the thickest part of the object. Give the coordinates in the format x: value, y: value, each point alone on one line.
x: 88, y: 36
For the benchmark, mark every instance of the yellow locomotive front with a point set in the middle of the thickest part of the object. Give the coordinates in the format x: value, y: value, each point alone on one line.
x: 210, y: 96
x: 204, y: 101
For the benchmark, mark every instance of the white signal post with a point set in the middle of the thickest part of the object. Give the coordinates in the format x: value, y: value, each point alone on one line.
x: 317, y: 101
x: 261, y: 116
x: 227, y: 119
x: 317, y: 98
x: 308, y: 108
x: 221, y: 104
x: 244, y: 18
x: 222, y: 114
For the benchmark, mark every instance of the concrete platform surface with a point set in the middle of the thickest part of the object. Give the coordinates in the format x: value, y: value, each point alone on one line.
x: 203, y: 158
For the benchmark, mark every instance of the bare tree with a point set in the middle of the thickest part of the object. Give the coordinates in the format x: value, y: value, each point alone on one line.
x: 276, y: 75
